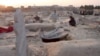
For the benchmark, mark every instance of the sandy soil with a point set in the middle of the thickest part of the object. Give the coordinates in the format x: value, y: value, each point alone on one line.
x: 85, y: 42
x: 89, y: 47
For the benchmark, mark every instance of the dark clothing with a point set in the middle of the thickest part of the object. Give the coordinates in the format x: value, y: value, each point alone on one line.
x: 37, y: 18
x: 72, y: 21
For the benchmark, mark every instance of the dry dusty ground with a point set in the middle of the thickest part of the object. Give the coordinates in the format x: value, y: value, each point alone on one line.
x: 86, y: 42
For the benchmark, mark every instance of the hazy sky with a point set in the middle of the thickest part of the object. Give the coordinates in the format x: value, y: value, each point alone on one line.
x: 17, y: 3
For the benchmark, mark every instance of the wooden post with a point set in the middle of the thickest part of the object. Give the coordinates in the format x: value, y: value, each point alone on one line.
x: 19, y: 27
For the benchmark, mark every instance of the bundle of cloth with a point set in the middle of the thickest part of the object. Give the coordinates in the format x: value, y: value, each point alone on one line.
x: 6, y: 30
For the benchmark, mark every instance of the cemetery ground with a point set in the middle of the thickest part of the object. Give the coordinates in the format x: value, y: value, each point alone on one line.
x: 82, y: 40
x: 85, y: 42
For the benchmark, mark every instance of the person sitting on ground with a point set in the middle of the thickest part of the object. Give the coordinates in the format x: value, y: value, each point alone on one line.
x: 72, y: 21
x: 37, y: 18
